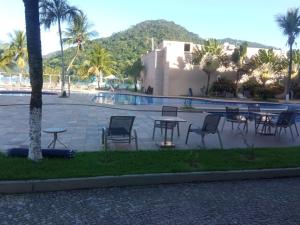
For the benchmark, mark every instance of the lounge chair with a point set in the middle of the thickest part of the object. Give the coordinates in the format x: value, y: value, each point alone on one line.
x: 233, y: 115
x: 119, y: 131
x: 167, y: 111
x: 210, y: 126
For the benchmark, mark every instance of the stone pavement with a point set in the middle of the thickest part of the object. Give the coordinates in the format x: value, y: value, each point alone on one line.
x: 83, y: 122
x: 256, y: 202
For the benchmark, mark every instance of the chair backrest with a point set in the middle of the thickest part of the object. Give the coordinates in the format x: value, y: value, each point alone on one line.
x: 232, y: 113
x: 169, y: 111
x: 285, y: 119
x: 211, y: 123
x: 120, y: 125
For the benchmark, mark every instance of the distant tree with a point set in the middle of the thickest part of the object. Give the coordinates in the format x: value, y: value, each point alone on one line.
x: 209, y: 57
x: 134, y: 71
x: 17, y: 51
x: 58, y: 11
x: 290, y: 25
x: 238, y: 59
x: 99, y: 63
x: 78, y: 33
x: 36, y: 77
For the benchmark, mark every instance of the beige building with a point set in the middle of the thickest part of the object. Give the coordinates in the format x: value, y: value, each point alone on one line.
x: 168, y: 69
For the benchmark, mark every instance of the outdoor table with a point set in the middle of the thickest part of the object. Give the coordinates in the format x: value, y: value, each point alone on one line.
x: 266, y: 120
x: 55, y: 131
x: 167, y: 119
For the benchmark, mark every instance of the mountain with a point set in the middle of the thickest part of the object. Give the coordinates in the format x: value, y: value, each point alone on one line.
x: 250, y: 44
x: 128, y: 45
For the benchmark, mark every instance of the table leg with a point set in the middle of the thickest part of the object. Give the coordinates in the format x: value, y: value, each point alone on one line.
x: 54, y: 140
x: 165, y: 143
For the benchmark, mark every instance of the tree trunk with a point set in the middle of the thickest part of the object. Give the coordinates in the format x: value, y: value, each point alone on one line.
x: 207, y: 85
x: 288, y: 79
x: 62, y: 75
x: 36, y: 77
x: 72, y: 61
x: 135, y: 84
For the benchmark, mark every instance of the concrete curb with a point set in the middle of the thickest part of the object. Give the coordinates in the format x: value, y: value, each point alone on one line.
x: 29, y: 186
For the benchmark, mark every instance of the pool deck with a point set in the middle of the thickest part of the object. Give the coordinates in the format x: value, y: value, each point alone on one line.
x: 82, y: 118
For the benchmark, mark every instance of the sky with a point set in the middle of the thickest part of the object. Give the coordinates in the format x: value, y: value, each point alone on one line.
x: 251, y: 20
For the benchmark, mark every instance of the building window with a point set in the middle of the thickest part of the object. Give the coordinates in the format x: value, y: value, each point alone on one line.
x: 187, y: 47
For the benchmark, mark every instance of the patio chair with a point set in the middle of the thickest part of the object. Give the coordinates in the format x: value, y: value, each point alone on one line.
x: 167, y: 111
x: 285, y: 120
x: 233, y: 115
x: 210, y: 126
x: 120, y: 131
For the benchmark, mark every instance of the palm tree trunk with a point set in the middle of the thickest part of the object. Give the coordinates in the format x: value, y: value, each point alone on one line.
x: 36, y: 77
x: 72, y: 61
x: 207, y: 85
x: 288, y: 79
x: 62, y: 75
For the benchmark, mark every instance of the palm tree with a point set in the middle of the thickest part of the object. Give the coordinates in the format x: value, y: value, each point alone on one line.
x: 99, y: 63
x: 135, y: 70
x: 36, y: 76
x: 78, y: 34
x: 58, y: 11
x: 17, y: 51
x: 209, y: 57
x: 290, y: 25
x: 238, y: 59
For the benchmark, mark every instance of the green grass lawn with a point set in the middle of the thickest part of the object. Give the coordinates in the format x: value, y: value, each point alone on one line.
x: 120, y: 163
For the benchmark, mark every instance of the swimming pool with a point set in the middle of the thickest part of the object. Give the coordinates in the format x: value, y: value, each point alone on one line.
x: 22, y: 93
x: 129, y: 99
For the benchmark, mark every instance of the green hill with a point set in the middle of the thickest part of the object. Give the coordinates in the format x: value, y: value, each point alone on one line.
x: 128, y: 45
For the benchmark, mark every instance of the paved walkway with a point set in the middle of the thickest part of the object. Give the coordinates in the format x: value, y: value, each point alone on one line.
x: 83, y: 122
x: 262, y: 202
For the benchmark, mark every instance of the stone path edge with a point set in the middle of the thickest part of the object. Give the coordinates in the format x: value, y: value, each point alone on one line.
x: 63, y: 184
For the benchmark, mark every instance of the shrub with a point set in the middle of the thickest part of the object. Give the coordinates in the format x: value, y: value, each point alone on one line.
x: 252, y: 86
x: 221, y: 86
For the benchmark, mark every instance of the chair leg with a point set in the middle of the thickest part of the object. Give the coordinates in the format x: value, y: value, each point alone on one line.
x: 220, y: 140
x: 292, y: 133
x: 136, y: 140
x: 296, y: 129
x: 223, y: 124
x: 178, y: 129
x: 105, y: 143
x: 187, y: 137
x: 153, y: 132
x: 172, y: 134
x: 203, y: 142
x: 231, y: 125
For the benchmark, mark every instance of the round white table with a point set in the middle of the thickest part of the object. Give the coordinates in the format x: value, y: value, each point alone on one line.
x: 55, y: 131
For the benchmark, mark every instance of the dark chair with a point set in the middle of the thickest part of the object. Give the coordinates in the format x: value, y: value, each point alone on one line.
x: 191, y: 92
x: 119, y: 131
x: 285, y: 120
x: 210, y: 126
x: 167, y: 111
x: 233, y: 115
x: 149, y: 90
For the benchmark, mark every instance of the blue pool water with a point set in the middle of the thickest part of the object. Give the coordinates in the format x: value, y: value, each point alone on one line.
x: 22, y: 93
x: 128, y: 99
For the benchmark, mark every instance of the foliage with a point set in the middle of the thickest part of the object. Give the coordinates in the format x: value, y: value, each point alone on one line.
x: 221, y: 86
x: 98, y: 62
x: 127, y: 46
x: 134, y: 71
x: 290, y: 25
x: 58, y: 11
x: 16, y: 54
x: 209, y: 57
x: 252, y: 86
x: 78, y: 33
